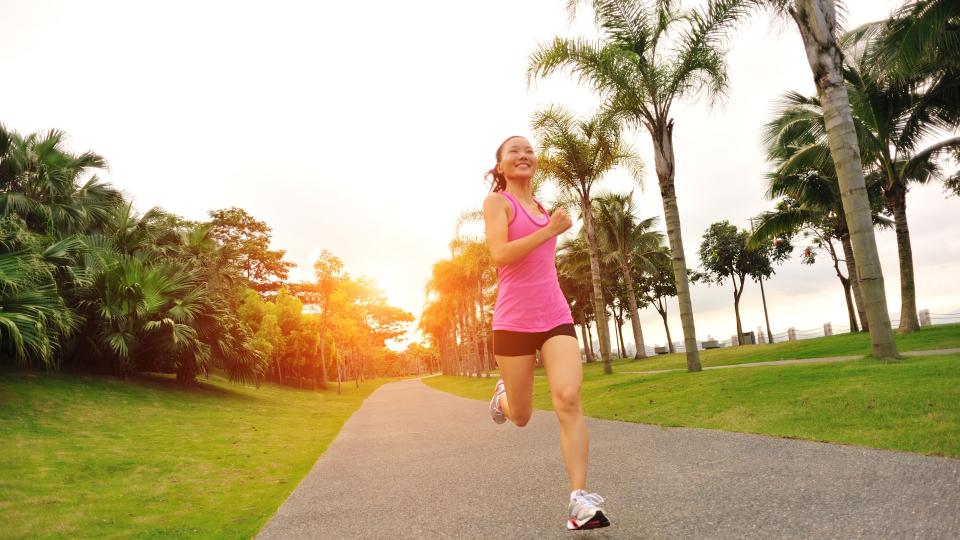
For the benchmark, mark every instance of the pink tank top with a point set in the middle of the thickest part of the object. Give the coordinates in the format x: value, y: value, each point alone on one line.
x: 529, y: 298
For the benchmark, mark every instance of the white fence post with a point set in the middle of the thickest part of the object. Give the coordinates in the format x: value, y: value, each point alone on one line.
x: 925, y: 317
x: 827, y: 329
x: 792, y: 334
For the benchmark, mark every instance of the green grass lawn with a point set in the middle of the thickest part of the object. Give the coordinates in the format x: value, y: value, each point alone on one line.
x: 944, y: 336
x: 911, y: 405
x: 96, y: 457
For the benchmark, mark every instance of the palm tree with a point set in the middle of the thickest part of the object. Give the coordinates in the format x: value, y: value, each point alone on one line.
x: 805, y: 180
x: 33, y: 316
x: 447, y: 286
x: 574, y: 270
x: 817, y: 22
x: 629, y: 243
x: 823, y: 226
x: 641, y: 72
x: 922, y: 36
x: 40, y: 182
x: 891, y: 116
x: 576, y: 154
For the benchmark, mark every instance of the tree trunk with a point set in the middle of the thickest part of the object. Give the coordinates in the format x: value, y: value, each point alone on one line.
x: 766, y: 316
x: 662, y: 135
x: 844, y: 281
x: 736, y: 307
x: 816, y: 20
x: 482, y: 327
x: 593, y: 353
x: 621, y: 347
x: 586, y: 343
x: 897, y: 202
x: 846, y: 296
x: 854, y: 285
x: 339, y: 372
x: 634, y: 314
x: 323, y: 362
x: 666, y: 327
x: 603, y: 329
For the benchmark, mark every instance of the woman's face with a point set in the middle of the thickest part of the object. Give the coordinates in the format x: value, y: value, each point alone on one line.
x: 518, y: 160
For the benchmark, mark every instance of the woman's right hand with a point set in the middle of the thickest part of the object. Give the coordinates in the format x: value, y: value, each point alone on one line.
x: 559, y: 222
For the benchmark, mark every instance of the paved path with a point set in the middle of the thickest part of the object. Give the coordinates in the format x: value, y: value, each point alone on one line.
x: 414, y: 462
x: 823, y: 360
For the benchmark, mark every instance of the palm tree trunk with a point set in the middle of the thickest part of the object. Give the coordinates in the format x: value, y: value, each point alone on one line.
x: 593, y: 354
x: 897, y: 202
x: 766, y: 315
x: 482, y: 327
x: 855, y: 285
x: 603, y: 330
x: 634, y: 314
x: 586, y: 343
x: 622, y: 348
x: 816, y: 20
x: 662, y: 135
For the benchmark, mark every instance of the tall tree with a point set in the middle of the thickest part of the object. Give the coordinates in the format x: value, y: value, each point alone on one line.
x: 650, y: 55
x: 573, y: 271
x: 576, y: 154
x: 724, y: 255
x: 248, y: 240
x: 629, y: 242
x: 895, y: 119
x: 773, y: 252
x: 657, y: 287
x: 817, y: 22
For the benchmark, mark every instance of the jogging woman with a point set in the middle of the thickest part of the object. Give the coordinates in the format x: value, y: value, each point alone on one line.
x: 532, y: 314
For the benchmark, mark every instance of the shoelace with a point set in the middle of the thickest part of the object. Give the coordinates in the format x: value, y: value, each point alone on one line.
x: 592, y: 498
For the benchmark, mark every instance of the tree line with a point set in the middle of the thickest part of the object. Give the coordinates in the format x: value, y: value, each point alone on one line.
x: 87, y: 283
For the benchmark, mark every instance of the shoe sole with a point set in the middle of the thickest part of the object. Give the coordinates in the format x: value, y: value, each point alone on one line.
x: 596, y: 522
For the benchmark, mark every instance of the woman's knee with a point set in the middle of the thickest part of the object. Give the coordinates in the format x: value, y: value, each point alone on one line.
x: 521, y: 418
x: 567, y: 400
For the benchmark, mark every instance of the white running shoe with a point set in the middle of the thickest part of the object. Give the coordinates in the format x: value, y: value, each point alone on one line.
x: 495, y: 411
x: 586, y: 511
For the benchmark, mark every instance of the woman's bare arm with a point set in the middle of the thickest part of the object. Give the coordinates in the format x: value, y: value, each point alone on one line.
x: 496, y: 218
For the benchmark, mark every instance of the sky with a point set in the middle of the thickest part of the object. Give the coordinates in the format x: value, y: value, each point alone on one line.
x: 365, y: 128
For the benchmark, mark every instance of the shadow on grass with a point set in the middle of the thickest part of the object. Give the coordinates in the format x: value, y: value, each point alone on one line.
x: 200, y: 388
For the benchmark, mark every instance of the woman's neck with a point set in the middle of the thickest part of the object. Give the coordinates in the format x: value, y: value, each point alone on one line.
x: 520, y: 189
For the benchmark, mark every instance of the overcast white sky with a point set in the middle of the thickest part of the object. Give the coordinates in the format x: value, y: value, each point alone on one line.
x: 365, y: 128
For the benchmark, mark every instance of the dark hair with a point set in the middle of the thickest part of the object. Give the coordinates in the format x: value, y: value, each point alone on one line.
x: 499, y: 182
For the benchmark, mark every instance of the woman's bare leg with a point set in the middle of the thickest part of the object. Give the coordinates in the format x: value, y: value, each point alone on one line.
x: 517, y: 375
x: 561, y: 357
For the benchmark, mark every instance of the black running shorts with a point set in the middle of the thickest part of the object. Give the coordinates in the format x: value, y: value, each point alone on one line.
x: 510, y: 343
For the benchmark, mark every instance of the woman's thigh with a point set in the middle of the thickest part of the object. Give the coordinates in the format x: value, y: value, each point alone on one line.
x: 517, y: 375
x: 561, y: 358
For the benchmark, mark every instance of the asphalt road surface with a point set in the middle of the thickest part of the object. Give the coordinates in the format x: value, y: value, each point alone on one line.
x: 413, y: 462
